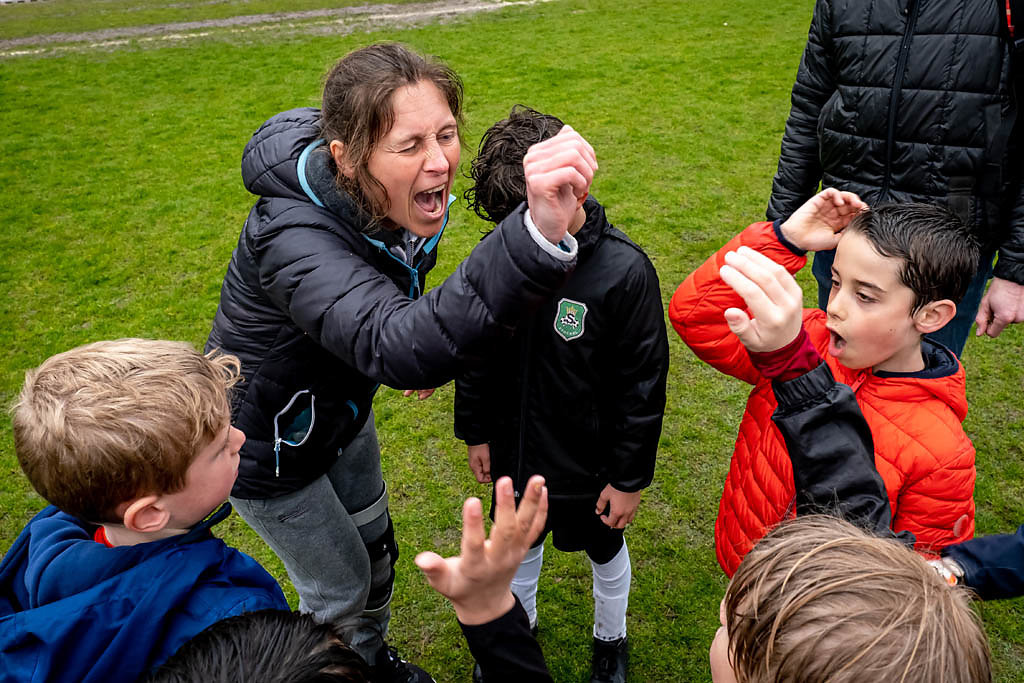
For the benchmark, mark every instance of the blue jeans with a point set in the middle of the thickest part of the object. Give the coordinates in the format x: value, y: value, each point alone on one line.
x: 320, y: 533
x: 954, y: 335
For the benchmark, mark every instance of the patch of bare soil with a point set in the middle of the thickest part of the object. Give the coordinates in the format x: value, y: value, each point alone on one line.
x: 324, y: 21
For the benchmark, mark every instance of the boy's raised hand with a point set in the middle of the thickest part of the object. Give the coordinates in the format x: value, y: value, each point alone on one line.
x: 773, y: 297
x: 477, y: 581
x: 558, y: 174
x: 816, y: 225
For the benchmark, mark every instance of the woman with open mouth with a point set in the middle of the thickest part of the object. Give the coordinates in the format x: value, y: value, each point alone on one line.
x: 323, y: 302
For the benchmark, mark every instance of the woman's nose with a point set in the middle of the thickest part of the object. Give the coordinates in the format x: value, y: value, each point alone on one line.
x: 435, y: 160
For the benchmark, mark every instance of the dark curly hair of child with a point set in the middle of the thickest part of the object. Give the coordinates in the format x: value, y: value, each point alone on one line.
x: 499, y: 185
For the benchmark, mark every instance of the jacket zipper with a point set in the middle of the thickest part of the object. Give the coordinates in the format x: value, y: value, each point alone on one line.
x: 518, y: 484
x: 897, y: 88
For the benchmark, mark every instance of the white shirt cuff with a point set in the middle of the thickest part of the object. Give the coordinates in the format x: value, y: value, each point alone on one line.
x: 563, y: 251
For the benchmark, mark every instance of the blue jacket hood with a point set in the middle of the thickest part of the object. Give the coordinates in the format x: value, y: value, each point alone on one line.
x: 73, y: 609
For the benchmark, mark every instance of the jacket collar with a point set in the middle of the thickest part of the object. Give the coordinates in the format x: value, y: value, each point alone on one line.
x: 595, y: 226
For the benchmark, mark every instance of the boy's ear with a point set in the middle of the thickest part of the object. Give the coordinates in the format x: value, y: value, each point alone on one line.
x: 934, y: 315
x: 340, y: 160
x: 145, y: 515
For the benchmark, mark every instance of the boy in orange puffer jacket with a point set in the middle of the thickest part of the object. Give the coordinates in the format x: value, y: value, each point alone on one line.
x: 899, y: 272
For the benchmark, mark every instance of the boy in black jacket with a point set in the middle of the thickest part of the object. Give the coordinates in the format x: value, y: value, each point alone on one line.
x: 578, y: 393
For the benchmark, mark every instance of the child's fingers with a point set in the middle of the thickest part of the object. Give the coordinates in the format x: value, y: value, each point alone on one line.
x: 435, y: 569
x: 472, y: 531
x: 853, y: 202
x: 530, y: 504
x: 739, y: 323
x: 751, y: 292
x: 504, y: 509
x: 540, y: 518
x: 775, y: 280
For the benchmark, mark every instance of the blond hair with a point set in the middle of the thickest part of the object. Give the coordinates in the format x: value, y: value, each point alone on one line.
x: 105, y: 423
x: 818, y: 599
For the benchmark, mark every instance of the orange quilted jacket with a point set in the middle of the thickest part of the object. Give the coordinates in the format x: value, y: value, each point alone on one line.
x: 921, y: 450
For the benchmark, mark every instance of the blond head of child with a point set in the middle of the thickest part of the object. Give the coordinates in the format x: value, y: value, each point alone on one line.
x: 132, y: 434
x: 818, y: 599
x: 899, y: 272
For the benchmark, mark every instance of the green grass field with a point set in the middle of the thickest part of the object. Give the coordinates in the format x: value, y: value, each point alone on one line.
x: 121, y: 203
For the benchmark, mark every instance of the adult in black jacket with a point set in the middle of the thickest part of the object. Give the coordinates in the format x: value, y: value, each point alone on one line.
x: 911, y: 100
x: 577, y: 395
x: 323, y: 302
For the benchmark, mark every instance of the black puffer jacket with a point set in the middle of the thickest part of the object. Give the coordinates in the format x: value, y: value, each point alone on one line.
x: 320, y: 312
x: 909, y: 100
x: 580, y: 404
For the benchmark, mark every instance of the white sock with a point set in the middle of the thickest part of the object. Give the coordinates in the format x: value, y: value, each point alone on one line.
x: 611, y: 595
x: 524, y: 583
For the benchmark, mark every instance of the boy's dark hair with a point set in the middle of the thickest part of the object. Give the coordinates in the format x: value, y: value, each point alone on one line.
x: 499, y: 185
x: 268, y: 646
x: 940, y: 255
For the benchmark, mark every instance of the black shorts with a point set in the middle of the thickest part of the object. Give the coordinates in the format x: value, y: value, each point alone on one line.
x: 574, y: 526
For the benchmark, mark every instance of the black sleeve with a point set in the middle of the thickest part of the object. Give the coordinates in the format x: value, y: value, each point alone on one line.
x: 830, y: 446
x: 474, y: 404
x: 993, y: 565
x: 799, y: 171
x: 357, y: 313
x: 634, y: 406
x: 506, y: 650
x: 1010, y: 265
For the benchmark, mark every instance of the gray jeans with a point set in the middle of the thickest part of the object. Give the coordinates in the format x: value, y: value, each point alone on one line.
x: 321, y: 534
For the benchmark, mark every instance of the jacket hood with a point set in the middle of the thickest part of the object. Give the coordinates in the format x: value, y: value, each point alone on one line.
x: 269, y: 164
x: 59, y: 565
x: 943, y: 378
x: 74, y: 609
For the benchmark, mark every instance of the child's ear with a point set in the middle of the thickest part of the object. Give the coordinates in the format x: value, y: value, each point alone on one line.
x: 934, y: 315
x: 145, y: 515
x: 340, y: 160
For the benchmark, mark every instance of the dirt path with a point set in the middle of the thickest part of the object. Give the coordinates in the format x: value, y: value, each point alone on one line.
x: 325, y: 21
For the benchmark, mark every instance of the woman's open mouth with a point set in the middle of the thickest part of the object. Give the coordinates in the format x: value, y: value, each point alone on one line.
x: 431, y: 201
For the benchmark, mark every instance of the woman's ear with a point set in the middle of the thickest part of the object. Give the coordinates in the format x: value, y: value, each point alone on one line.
x: 145, y: 515
x: 934, y: 315
x: 340, y: 160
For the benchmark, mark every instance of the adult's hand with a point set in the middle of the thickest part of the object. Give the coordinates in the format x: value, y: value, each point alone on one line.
x: 480, y: 462
x: 816, y: 225
x: 1002, y: 305
x: 477, y: 581
x: 558, y: 173
x: 773, y: 298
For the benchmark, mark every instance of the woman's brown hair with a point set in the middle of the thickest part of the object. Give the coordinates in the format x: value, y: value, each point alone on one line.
x: 357, y: 110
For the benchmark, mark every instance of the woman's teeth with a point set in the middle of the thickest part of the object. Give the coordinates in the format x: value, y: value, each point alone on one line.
x: 430, y: 201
